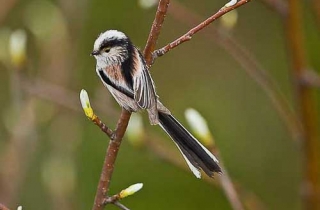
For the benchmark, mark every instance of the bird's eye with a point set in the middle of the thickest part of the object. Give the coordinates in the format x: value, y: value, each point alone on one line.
x: 107, y: 49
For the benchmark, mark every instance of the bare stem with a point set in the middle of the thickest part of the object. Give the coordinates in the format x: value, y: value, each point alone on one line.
x: 120, y: 205
x: 110, y: 158
x: 157, y: 146
x: 306, y: 107
x: 116, y: 137
x: 229, y: 188
x: 199, y: 27
x: 103, y: 127
x: 155, y: 30
x: 59, y: 95
x: 249, y: 63
x: 115, y: 201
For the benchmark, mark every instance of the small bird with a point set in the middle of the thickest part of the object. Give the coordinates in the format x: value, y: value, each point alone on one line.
x: 123, y: 70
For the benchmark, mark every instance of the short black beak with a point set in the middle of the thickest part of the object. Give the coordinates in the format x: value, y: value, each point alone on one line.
x: 95, y: 52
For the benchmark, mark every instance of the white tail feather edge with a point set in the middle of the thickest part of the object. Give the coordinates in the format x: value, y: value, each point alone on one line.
x: 194, y: 170
x: 205, y: 149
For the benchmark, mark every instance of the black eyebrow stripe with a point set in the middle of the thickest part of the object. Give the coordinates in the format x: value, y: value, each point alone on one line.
x: 112, y: 43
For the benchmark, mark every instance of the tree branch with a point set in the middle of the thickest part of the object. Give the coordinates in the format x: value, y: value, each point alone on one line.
x: 110, y: 158
x: 155, y: 30
x: 165, y: 153
x: 116, y: 137
x: 249, y: 63
x: 120, y: 205
x: 227, y: 185
x: 190, y: 33
x: 306, y: 107
x: 103, y: 127
x: 59, y: 95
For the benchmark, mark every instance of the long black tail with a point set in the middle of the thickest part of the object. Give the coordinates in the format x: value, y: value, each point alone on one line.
x: 196, y: 155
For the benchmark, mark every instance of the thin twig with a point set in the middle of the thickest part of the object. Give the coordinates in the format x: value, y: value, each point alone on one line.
x: 225, y: 180
x: 155, y: 146
x: 115, y: 201
x: 110, y: 158
x: 112, y: 199
x: 120, y: 205
x: 255, y: 70
x: 103, y: 127
x: 59, y: 95
x: 249, y: 63
x: 227, y: 185
x: 190, y: 33
x: 280, y: 6
x: 164, y: 152
x: 155, y: 30
x: 306, y: 107
x: 51, y: 92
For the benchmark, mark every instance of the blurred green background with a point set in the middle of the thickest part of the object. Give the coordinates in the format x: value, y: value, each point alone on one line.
x: 51, y: 155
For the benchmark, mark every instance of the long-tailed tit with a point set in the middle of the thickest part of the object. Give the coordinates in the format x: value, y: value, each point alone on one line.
x: 123, y: 70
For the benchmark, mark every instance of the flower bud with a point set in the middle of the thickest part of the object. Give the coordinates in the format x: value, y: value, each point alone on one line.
x: 131, y: 190
x: 146, y: 4
x: 229, y: 20
x: 85, y: 103
x: 17, y: 47
x: 135, y: 130
x: 199, y: 127
x: 230, y: 3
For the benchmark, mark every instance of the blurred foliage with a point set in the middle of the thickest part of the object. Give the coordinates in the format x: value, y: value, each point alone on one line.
x: 61, y: 166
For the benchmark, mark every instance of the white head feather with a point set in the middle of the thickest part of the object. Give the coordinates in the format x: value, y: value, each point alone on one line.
x: 108, y: 35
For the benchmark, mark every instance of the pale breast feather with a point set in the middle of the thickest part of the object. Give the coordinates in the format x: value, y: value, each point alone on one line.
x: 107, y: 81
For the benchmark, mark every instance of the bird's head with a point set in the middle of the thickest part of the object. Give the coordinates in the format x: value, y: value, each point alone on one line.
x: 111, y: 48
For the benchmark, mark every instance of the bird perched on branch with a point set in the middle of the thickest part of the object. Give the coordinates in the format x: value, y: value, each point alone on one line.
x: 123, y: 70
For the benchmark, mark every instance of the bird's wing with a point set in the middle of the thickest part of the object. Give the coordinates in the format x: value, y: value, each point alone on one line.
x: 144, y: 92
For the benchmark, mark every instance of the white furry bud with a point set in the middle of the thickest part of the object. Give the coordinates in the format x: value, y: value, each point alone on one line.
x: 17, y: 47
x: 131, y: 190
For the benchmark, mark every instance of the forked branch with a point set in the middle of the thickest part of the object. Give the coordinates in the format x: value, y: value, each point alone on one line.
x: 155, y: 30
x: 202, y: 25
x: 110, y: 158
x: 117, y: 135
